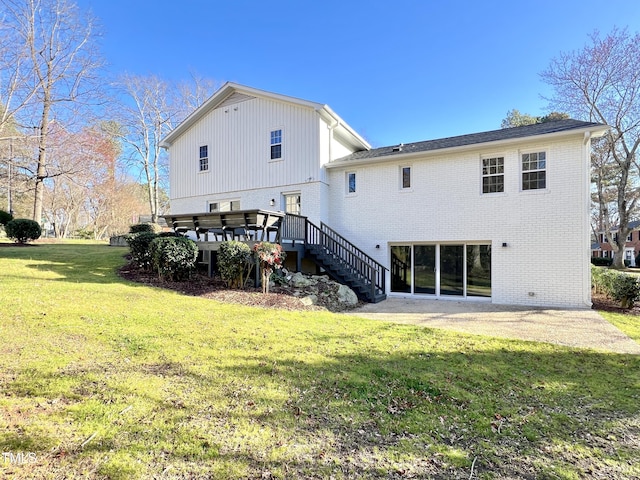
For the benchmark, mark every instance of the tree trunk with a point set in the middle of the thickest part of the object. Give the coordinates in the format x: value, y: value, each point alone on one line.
x: 41, y: 172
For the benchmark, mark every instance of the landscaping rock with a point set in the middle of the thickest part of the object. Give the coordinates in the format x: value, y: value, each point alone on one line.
x: 347, y: 296
x: 321, y: 291
x: 298, y: 280
x: 309, y: 300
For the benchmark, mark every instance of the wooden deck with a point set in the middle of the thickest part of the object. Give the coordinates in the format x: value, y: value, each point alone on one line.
x: 330, y: 251
x: 244, y: 225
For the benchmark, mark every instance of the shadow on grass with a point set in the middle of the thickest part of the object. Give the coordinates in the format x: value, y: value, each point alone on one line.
x: 422, y: 412
x: 72, y: 262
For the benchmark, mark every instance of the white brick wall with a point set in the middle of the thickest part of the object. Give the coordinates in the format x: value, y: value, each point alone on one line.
x: 546, y: 231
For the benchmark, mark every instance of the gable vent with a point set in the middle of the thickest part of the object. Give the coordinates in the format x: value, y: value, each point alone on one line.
x: 234, y: 98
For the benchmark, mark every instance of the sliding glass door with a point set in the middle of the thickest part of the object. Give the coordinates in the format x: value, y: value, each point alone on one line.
x: 451, y: 269
x: 424, y: 269
x: 442, y: 269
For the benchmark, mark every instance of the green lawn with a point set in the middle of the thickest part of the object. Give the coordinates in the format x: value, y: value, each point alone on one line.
x: 102, y: 378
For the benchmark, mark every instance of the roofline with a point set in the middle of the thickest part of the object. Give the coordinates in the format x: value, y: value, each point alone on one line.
x: 592, y: 131
x: 326, y: 111
x: 223, y: 92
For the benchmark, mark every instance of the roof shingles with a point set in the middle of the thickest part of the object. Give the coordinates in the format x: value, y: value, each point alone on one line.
x: 471, y: 139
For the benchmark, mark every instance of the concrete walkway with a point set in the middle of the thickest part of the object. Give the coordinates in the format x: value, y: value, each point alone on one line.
x: 573, y: 328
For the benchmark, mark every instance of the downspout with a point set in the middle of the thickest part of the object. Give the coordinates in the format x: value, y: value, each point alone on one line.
x: 586, y: 143
x: 331, y: 129
x: 325, y: 208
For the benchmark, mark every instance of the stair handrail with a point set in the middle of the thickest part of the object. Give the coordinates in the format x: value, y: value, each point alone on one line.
x: 359, y: 261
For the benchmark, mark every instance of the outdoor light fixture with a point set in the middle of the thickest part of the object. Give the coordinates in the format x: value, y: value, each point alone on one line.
x: 377, y: 246
x: 272, y: 202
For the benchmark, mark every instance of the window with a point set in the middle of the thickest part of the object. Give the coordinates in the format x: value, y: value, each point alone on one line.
x: 204, y: 158
x: 405, y: 177
x: 292, y: 203
x: 351, y: 182
x: 630, y: 237
x: 276, y: 144
x: 493, y: 175
x: 224, y: 206
x: 534, y: 171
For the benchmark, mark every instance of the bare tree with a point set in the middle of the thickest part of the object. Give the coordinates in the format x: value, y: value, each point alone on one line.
x: 147, y: 117
x: 601, y: 83
x: 53, y: 43
x: 153, y: 107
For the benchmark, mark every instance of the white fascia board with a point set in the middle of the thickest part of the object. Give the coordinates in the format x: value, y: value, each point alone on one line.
x: 334, y: 120
x: 590, y: 131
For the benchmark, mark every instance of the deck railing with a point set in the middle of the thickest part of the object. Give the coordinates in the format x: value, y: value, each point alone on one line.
x: 358, y: 261
x: 293, y: 227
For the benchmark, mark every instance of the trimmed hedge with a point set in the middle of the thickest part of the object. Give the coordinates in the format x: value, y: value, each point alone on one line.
x: 235, y: 262
x: 174, y: 257
x: 139, y: 245
x: 145, y: 228
x: 5, y: 217
x: 621, y: 287
x: 601, y: 261
x: 22, y: 230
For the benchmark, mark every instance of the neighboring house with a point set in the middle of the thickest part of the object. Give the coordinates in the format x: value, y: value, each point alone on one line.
x: 476, y: 216
x: 602, y: 248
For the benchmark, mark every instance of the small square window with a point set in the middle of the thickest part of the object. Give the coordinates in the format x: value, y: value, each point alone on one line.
x: 276, y: 144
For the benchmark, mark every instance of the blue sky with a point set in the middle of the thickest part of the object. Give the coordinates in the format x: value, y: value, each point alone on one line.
x: 396, y: 71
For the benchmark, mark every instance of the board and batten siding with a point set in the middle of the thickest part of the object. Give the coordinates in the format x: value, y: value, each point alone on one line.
x: 445, y: 204
x: 238, y: 140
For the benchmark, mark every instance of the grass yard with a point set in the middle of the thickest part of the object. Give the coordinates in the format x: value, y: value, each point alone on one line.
x: 103, y: 378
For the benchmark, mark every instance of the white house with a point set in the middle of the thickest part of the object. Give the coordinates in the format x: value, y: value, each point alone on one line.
x: 500, y: 215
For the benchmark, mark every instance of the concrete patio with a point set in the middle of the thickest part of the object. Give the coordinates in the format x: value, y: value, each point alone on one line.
x: 572, y: 328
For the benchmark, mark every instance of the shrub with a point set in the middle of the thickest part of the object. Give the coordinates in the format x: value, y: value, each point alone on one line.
x: 235, y: 263
x: 22, y: 230
x: 84, y: 234
x: 5, y: 217
x: 602, y: 261
x: 625, y: 289
x: 174, y: 257
x: 139, y: 246
x: 621, y: 287
x: 145, y: 228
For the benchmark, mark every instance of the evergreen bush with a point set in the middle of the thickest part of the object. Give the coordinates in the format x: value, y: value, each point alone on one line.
x: 625, y: 289
x: 235, y: 262
x: 602, y: 261
x: 174, y: 257
x: 621, y: 287
x: 5, y: 217
x: 139, y: 247
x: 145, y: 228
x: 22, y: 230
